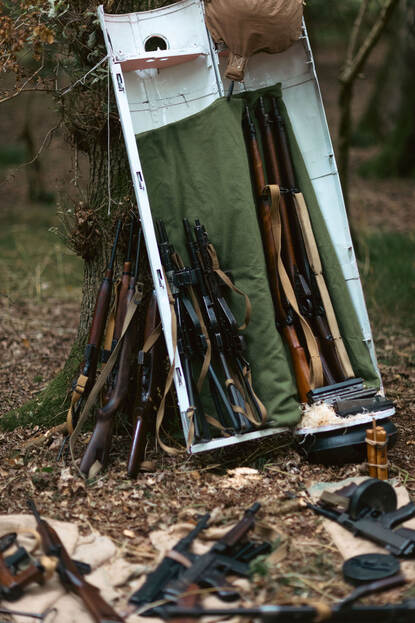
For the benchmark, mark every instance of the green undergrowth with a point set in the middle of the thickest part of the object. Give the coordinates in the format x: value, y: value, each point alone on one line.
x: 388, y: 274
x: 34, y: 262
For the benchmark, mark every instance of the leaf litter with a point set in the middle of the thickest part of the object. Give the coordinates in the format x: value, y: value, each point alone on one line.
x: 174, y: 491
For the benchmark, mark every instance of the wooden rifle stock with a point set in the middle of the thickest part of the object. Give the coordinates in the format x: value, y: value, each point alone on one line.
x: 96, y: 333
x: 100, y: 442
x: 334, y: 370
x: 283, y: 312
x: 71, y: 578
x: 148, y: 384
x: 299, y: 279
x: 100, y: 316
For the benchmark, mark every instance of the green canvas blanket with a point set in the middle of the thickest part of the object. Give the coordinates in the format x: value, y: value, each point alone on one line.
x: 198, y: 168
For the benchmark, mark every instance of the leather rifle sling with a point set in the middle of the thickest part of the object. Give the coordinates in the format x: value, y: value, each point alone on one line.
x: 316, y: 266
x: 316, y: 370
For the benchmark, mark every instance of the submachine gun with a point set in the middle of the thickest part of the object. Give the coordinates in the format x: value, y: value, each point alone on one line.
x: 204, y: 318
x: 181, y: 570
x: 369, y: 510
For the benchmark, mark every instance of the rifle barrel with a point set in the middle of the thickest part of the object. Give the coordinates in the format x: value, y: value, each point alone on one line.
x: 114, y: 246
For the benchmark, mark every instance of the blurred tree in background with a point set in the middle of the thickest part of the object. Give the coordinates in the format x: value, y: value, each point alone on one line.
x: 358, y: 25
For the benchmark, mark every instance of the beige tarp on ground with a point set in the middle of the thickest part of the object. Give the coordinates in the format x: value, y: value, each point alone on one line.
x: 116, y: 578
x: 251, y: 26
x: 108, y: 571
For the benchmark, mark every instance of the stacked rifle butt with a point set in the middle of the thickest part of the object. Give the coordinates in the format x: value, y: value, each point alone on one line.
x: 128, y: 380
x: 304, y: 314
x: 222, y: 399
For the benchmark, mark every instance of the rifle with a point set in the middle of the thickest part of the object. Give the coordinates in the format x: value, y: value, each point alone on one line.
x: 206, y: 296
x: 292, y: 242
x: 402, y: 612
x: 184, y: 345
x: 233, y: 341
x: 69, y: 575
x: 122, y: 302
x: 86, y: 380
x: 212, y: 564
x: 283, y: 311
x: 100, y: 443
x: 148, y: 363
x: 304, y: 279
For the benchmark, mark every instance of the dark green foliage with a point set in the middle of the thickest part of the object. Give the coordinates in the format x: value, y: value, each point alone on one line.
x: 390, y: 282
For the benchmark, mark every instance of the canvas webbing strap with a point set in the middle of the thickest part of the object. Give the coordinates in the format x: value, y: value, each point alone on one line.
x: 216, y: 267
x: 316, y: 369
x: 247, y: 374
x: 106, y: 370
x: 315, y: 263
x: 77, y: 393
x: 109, y: 332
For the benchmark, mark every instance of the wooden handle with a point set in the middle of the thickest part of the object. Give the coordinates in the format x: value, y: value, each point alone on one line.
x: 299, y: 359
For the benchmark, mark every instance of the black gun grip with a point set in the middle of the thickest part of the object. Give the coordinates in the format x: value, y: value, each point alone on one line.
x: 394, y: 518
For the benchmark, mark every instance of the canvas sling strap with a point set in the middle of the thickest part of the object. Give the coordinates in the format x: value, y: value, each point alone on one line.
x: 316, y: 369
x: 222, y: 275
x: 82, y: 380
x: 316, y: 266
x: 132, y: 308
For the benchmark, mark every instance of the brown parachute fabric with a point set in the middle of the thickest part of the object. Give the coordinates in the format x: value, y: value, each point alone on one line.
x: 250, y: 26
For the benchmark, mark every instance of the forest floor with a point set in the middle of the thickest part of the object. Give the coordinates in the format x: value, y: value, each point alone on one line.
x: 39, y: 309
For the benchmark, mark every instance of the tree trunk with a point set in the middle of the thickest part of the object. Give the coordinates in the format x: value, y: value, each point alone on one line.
x: 86, y: 119
x: 397, y: 156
